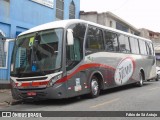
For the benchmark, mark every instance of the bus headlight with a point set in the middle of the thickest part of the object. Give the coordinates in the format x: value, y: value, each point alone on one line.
x: 53, y: 80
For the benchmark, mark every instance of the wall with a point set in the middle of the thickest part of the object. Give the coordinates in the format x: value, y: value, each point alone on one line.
x: 19, y: 15
x: 144, y: 33
x: 89, y: 17
x: 5, y: 71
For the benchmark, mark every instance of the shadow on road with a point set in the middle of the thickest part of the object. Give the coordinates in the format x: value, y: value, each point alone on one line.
x: 123, y: 88
x: 63, y: 102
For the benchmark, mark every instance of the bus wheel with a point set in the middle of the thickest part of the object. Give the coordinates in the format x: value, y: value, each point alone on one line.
x: 157, y: 79
x: 95, y: 88
x: 140, y: 83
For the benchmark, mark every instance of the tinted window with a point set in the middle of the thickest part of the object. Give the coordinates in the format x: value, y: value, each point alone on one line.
x: 74, y: 53
x: 142, y: 46
x: 111, y: 42
x: 134, y: 45
x: 94, y: 40
x: 151, y: 48
x: 124, y: 44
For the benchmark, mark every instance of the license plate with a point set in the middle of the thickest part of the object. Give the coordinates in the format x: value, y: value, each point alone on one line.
x: 31, y: 93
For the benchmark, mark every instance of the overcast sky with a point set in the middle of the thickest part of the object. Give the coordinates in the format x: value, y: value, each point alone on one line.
x: 139, y: 13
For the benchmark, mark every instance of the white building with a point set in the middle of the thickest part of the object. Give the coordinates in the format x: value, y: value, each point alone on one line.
x: 110, y: 20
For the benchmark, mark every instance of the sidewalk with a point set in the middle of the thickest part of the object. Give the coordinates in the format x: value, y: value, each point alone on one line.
x: 5, y: 98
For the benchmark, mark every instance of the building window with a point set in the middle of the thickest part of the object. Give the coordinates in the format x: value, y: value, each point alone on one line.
x: 111, y: 24
x: 72, y: 10
x: 132, y: 32
x: 150, y: 34
x: 59, y: 9
x: 121, y: 27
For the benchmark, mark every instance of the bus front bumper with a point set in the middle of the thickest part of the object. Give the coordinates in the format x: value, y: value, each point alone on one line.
x: 39, y: 93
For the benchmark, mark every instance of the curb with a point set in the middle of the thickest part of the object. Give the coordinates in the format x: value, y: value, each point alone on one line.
x: 10, y: 103
x: 16, y: 102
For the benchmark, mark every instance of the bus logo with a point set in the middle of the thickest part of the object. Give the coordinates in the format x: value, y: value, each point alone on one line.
x: 124, y: 71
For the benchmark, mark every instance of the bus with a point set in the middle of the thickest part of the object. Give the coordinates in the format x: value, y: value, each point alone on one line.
x: 69, y: 58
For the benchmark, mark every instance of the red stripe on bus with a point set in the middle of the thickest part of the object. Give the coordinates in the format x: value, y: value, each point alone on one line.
x: 83, y: 67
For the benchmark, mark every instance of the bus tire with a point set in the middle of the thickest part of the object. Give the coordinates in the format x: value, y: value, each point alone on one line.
x: 94, y: 87
x: 140, y: 82
x: 157, y: 78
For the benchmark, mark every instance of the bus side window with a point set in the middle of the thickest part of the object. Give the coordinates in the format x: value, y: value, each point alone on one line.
x: 74, y: 53
x: 149, y: 52
x: 134, y: 45
x: 111, y: 42
x: 124, y: 44
x: 94, y: 41
x: 142, y: 46
x: 151, y: 48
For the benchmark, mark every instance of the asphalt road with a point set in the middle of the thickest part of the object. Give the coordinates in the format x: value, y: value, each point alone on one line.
x: 126, y: 98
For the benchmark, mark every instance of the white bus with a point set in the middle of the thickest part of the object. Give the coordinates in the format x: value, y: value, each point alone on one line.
x: 69, y: 58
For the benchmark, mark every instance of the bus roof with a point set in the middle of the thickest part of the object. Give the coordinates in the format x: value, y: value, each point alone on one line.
x: 51, y: 25
x: 65, y: 23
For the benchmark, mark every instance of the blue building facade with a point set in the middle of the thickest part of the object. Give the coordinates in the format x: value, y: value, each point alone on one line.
x: 16, y: 16
x: 19, y: 15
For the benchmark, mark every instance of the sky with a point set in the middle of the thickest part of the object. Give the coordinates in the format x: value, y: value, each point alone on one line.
x: 139, y: 13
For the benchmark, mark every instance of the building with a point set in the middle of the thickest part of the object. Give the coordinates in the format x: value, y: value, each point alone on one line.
x: 155, y: 37
x: 17, y: 16
x: 110, y: 20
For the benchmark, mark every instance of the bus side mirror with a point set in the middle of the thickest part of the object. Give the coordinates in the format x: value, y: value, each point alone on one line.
x: 70, y: 40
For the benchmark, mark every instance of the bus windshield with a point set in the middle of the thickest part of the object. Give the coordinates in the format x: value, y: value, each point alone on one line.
x: 37, y: 53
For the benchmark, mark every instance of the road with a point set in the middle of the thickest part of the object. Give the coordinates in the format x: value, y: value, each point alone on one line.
x: 126, y: 98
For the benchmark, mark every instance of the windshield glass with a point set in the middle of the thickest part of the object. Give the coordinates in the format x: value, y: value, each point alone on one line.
x: 37, y: 53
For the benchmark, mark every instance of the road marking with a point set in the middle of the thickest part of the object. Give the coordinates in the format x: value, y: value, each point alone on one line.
x: 108, y: 102
x: 154, y: 88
